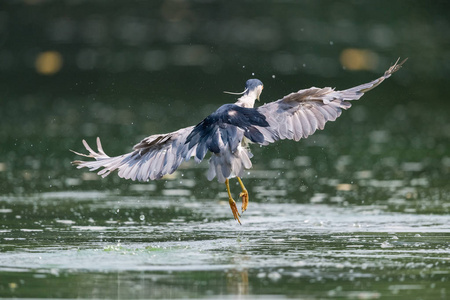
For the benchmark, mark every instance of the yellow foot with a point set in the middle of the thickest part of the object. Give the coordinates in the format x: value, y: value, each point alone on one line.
x: 244, y: 196
x: 234, y: 210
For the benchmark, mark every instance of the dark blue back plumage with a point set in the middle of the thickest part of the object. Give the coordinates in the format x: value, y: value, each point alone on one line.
x: 222, y: 127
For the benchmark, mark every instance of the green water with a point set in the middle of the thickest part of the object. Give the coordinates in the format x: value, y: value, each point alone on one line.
x: 357, y: 211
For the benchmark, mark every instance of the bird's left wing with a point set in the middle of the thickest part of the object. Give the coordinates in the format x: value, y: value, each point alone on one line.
x: 300, y: 114
x: 152, y: 158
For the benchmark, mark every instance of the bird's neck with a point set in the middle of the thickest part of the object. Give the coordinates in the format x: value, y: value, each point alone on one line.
x: 247, y: 100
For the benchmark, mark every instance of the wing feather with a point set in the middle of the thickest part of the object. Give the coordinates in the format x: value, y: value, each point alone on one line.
x: 313, y: 122
x: 300, y: 114
x: 152, y: 158
x: 320, y: 118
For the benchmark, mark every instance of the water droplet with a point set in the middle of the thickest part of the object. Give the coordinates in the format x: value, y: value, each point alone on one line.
x: 253, y: 74
x: 386, y: 244
x: 331, y: 43
x: 273, y: 76
x: 142, y: 217
x: 274, y: 276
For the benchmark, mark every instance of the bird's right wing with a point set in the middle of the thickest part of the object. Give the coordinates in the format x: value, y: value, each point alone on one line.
x: 152, y: 158
x: 300, y: 114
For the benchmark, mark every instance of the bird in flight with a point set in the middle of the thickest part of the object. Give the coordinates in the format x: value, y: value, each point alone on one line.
x: 228, y: 132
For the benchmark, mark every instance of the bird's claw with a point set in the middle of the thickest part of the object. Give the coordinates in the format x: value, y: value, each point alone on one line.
x: 234, y: 210
x: 244, y: 196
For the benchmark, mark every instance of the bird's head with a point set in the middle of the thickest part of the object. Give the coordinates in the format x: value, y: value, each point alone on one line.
x: 254, y: 86
x: 253, y: 89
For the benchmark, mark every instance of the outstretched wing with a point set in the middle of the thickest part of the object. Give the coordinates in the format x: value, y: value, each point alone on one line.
x: 161, y: 154
x: 152, y: 158
x: 300, y: 114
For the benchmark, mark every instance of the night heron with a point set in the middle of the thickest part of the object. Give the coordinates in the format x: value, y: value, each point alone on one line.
x: 227, y: 133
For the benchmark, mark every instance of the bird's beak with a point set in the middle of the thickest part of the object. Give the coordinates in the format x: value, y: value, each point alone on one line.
x: 232, y: 93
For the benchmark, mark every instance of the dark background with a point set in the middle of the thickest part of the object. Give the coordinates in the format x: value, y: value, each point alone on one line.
x: 123, y: 70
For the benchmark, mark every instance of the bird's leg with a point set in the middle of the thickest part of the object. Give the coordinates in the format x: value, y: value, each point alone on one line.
x: 243, y: 195
x: 233, y: 206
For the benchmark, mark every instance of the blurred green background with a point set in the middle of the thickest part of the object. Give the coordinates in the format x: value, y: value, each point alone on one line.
x: 123, y: 70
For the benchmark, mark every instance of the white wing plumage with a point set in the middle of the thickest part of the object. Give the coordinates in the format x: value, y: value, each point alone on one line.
x: 300, y: 114
x: 152, y: 158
